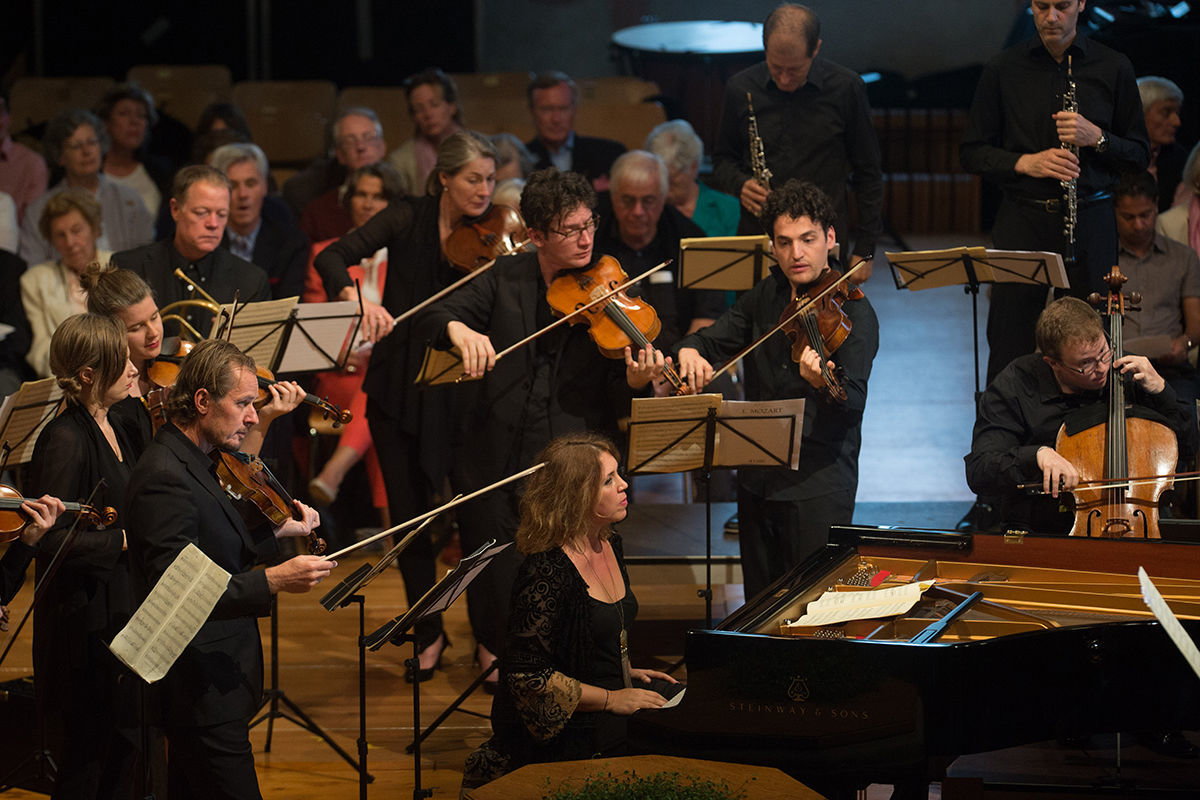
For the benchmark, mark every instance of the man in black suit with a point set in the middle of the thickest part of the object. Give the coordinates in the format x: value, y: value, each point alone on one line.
x: 557, y: 384
x: 200, y: 201
x: 553, y: 98
x: 215, y: 686
x: 261, y: 229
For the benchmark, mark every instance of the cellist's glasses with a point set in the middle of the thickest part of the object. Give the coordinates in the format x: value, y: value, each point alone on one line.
x: 579, y: 230
x: 1100, y: 362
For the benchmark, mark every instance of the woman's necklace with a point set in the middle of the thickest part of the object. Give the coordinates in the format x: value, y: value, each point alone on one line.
x: 610, y: 591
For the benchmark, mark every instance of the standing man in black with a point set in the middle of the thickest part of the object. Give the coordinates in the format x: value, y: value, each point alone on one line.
x: 200, y: 199
x: 174, y: 500
x: 815, y: 125
x: 1018, y: 136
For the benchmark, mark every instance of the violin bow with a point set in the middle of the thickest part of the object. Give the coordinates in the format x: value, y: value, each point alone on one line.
x: 463, y: 281
x: 428, y: 514
x: 784, y: 322
x: 1116, y: 483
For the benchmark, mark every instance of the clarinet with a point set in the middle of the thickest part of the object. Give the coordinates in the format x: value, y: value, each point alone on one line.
x: 1070, y: 188
x: 758, y: 159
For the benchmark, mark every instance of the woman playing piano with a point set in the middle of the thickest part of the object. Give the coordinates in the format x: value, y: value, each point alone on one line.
x: 566, y: 687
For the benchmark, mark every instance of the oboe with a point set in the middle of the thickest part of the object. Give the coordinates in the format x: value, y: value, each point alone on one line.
x: 758, y: 159
x: 1070, y: 187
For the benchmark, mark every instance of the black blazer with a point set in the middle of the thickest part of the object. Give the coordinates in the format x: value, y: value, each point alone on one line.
x: 592, y: 156
x: 281, y: 249
x: 175, y: 500
x: 586, y: 391
x: 226, y: 274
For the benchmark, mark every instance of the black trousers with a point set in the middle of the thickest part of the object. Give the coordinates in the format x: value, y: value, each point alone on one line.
x: 1014, y: 308
x: 409, y: 493
x: 212, y: 763
x: 776, y: 535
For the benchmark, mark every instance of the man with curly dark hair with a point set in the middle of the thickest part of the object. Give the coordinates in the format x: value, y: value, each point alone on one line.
x: 785, y: 514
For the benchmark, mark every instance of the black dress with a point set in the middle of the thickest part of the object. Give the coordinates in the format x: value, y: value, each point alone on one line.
x: 87, y: 699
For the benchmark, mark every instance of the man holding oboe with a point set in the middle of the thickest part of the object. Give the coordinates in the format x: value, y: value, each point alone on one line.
x: 1023, y: 136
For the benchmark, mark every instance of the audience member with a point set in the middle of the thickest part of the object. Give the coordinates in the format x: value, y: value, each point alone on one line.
x: 1162, y: 100
x: 76, y: 141
x: 1182, y: 223
x: 127, y: 112
x: 677, y: 144
x: 640, y: 230
x: 23, y: 173
x: 10, y: 229
x: 513, y: 159
x: 13, y: 347
x: 358, y: 141
x: 221, y: 116
x: 51, y: 291
x: 433, y: 105
x: 261, y: 229
x: 200, y: 208
x: 553, y: 98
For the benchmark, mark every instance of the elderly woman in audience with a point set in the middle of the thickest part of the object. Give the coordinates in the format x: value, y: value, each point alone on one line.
x: 1162, y: 100
x: 433, y: 105
x: 677, y: 144
x: 51, y: 291
x: 1182, y: 223
x: 76, y: 141
x: 127, y: 112
x: 368, y: 190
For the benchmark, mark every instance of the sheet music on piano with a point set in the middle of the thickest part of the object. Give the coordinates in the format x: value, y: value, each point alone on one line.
x: 834, y: 607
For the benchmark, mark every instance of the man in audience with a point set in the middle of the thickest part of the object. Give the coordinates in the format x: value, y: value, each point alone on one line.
x: 640, y: 230
x: 200, y: 208
x: 23, y: 174
x: 814, y: 124
x: 357, y: 141
x: 1162, y: 100
x: 261, y: 229
x: 553, y: 99
x: 1167, y: 274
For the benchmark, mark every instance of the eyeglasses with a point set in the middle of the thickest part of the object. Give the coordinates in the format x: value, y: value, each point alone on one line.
x: 579, y: 230
x: 85, y: 144
x: 354, y: 140
x: 1092, y: 364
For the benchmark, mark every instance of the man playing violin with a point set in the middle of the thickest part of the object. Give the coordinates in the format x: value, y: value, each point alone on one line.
x: 1021, y: 411
x: 557, y: 384
x: 783, y: 514
x: 174, y: 500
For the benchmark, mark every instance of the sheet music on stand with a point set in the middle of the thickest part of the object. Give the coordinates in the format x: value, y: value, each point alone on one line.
x: 320, y: 336
x: 23, y: 415
x: 257, y: 329
x: 957, y: 266
x: 727, y: 263
x: 667, y: 434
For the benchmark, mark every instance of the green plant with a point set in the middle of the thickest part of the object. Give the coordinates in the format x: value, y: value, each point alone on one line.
x: 658, y: 786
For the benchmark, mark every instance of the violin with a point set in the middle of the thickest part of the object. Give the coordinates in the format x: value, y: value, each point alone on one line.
x: 614, y: 324
x: 326, y: 409
x: 258, y: 493
x: 13, y: 521
x: 1116, y: 506
x: 477, y: 240
x: 817, y: 320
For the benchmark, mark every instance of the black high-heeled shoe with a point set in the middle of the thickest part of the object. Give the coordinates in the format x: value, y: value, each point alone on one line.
x: 424, y: 674
x: 493, y: 679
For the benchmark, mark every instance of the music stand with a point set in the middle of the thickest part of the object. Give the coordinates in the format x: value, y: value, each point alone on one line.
x: 728, y: 263
x: 970, y: 267
x: 676, y: 434
x: 23, y: 415
x: 435, y: 601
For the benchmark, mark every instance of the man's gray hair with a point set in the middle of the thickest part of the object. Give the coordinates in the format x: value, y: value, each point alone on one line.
x: 677, y: 144
x: 225, y: 156
x: 1153, y: 89
x: 639, y: 164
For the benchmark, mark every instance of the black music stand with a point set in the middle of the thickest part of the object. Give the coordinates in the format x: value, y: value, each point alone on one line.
x: 970, y: 267
x: 435, y: 601
x: 725, y: 263
x: 676, y: 434
x: 288, y: 337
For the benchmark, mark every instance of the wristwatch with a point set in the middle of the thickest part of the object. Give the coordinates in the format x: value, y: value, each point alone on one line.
x: 1102, y: 142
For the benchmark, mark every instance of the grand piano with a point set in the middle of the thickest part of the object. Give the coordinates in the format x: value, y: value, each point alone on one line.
x: 1061, y: 645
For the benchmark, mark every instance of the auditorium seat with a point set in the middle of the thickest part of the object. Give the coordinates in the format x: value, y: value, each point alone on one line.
x: 35, y: 100
x: 290, y: 119
x: 628, y: 123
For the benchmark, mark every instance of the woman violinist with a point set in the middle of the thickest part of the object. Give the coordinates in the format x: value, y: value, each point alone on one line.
x: 125, y: 297
x: 411, y: 426
x: 785, y: 514
x: 88, y: 700
x: 567, y: 687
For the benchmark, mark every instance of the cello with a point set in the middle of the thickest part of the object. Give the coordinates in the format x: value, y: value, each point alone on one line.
x: 1118, y: 507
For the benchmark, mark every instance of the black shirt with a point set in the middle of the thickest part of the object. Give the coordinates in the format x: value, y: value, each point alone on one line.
x: 821, y: 132
x: 1019, y: 91
x: 832, y: 432
x: 1021, y: 412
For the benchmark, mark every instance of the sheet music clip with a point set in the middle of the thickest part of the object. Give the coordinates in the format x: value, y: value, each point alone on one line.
x: 727, y: 263
x: 439, y: 598
x: 23, y: 415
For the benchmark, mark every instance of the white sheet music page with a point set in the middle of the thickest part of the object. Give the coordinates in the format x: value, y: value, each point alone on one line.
x: 834, y: 607
x: 171, y: 615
